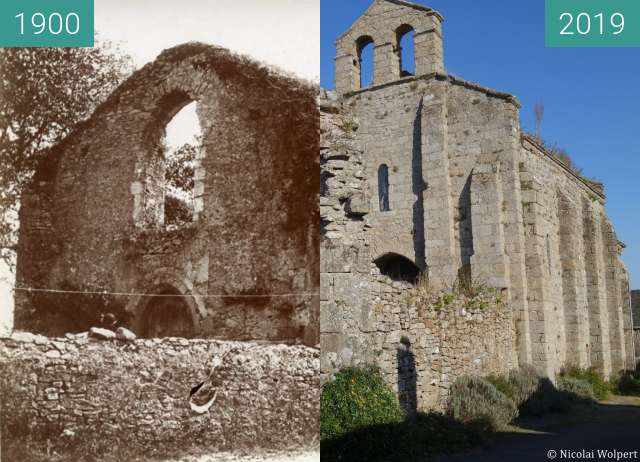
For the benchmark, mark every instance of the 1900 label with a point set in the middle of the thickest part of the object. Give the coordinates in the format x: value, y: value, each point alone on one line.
x: 46, y: 23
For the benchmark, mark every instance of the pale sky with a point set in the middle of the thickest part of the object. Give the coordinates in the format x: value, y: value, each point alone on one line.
x: 282, y: 33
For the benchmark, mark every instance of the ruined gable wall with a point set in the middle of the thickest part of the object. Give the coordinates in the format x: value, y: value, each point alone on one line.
x: 260, y: 137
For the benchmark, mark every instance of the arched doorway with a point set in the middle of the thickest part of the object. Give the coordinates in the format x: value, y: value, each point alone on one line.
x: 398, y: 268
x: 167, y: 314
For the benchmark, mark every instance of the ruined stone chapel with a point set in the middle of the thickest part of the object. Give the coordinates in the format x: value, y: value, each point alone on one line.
x: 426, y: 175
x: 94, y: 240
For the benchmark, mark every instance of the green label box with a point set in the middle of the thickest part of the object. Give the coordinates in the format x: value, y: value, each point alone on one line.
x: 46, y: 23
x: 592, y: 23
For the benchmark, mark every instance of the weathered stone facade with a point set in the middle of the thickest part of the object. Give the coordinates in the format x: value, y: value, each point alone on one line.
x: 77, y: 388
x: 635, y: 307
x: 432, y: 174
x: 246, y: 268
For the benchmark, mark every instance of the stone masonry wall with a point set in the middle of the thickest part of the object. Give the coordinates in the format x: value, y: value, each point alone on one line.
x: 635, y: 307
x: 246, y: 268
x: 470, y: 198
x: 577, y: 282
x: 137, y: 392
x: 421, y: 341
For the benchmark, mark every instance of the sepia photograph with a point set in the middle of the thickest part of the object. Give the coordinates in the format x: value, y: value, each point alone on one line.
x: 160, y: 237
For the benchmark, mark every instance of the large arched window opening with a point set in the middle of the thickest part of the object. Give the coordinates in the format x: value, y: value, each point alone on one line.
x: 183, y: 141
x: 365, y: 64
x: 398, y: 268
x: 383, y: 188
x: 166, y: 180
x: 406, y: 50
x: 167, y: 314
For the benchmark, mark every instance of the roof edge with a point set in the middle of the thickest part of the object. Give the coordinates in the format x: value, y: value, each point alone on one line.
x: 546, y: 152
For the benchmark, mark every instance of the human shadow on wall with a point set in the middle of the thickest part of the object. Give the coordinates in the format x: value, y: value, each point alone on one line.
x: 407, y: 377
x: 418, y: 188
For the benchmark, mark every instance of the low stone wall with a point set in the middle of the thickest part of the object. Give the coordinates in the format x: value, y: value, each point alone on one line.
x: 421, y: 341
x: 80, y: 388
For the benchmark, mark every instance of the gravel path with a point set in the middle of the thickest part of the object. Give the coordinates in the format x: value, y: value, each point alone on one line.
x: 591, y: 435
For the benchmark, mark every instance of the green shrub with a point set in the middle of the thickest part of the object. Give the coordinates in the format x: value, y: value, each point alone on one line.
x: 502, y: 383
x: 524, y: 382
x: 357, y: 398
x: 601, y: 388
x: 474, y: 399
x: 629, y: 383
x: 577, y: 390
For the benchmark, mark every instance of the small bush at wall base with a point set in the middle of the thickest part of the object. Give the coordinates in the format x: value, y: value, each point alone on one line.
x: 524, y: 382
x: 629, y: 383
x: 578, y: 390
x: 532, y: 394
x: 601, y: 388
x: 356, y: 398
x: 476, y: 400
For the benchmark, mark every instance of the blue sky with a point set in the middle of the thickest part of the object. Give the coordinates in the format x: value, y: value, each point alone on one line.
x: 591, y: 95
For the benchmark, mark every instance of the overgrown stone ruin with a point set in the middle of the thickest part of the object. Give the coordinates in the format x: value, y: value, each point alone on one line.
x: 136, y: 330
x: 94, y: 240
x: 429, y: 185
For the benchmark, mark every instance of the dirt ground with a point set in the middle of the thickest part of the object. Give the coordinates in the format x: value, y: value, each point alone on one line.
x: 308, y: 456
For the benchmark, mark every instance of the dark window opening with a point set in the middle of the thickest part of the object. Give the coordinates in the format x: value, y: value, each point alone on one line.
x: 406, y: 50
x: 167, y: 315
x: 383, y: 188
x: 398, y: 268
x: 365, y: 47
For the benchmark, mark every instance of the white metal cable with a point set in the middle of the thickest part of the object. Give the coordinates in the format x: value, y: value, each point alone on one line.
x: 135, y: 294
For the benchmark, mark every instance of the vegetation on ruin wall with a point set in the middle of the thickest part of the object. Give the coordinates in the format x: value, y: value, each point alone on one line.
x: 472, y: 295
x: 563, y: 156
x: 45, y: 92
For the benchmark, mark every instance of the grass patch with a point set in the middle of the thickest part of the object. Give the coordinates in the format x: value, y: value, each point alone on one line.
x: 601, y: 388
